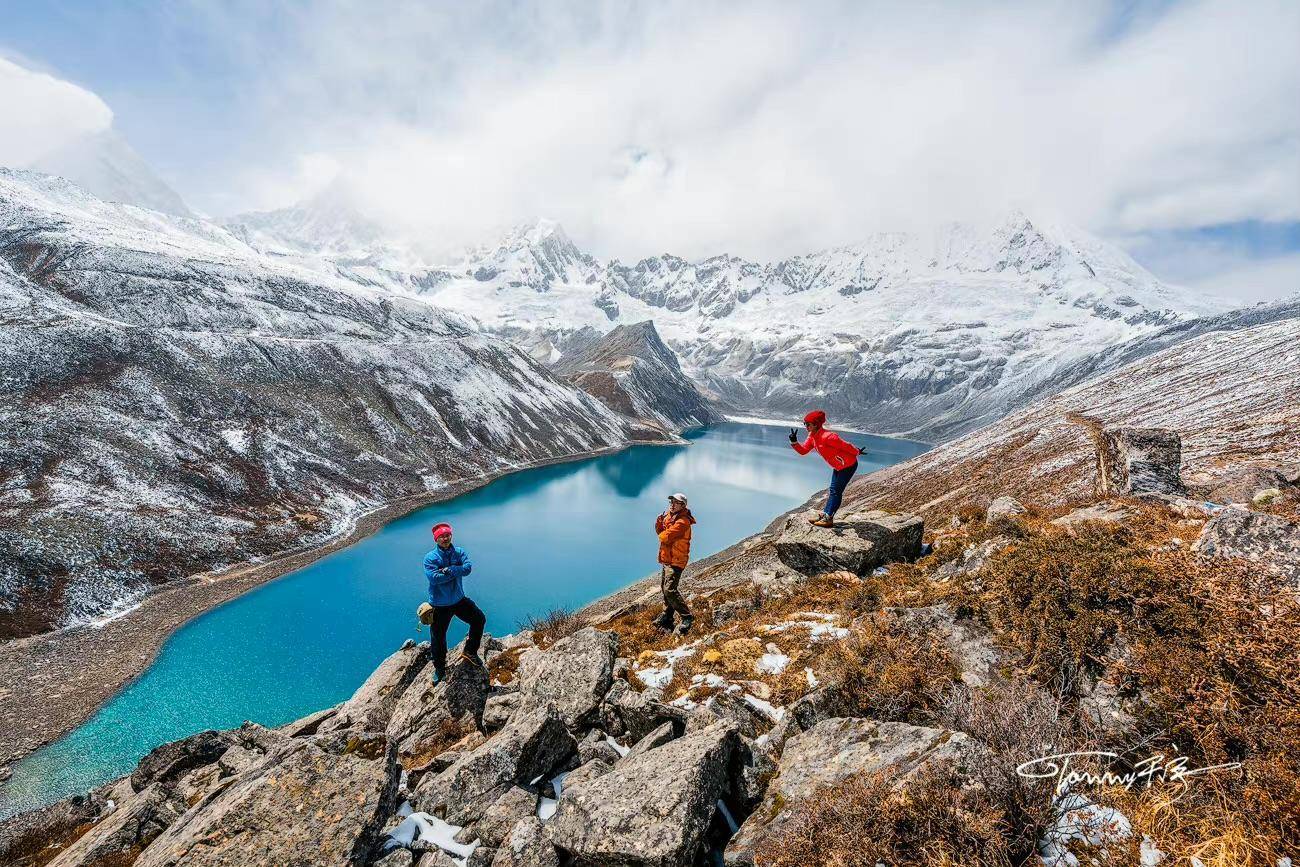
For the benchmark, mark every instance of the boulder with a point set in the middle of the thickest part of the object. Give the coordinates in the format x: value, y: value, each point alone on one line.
x: 1271, y: 541
x: 587, y: 771
x: 642, y: 712
x: 1241, y: 482
x: 857, y: 543
x: 573, y: 674
x: 1107, y: 513
x: 498, y: 710
x: 517, y: 803
x: 371, y: 706
x: 595, y: 746
x: 651, y: 811
x: 125, y: 831
x: 425, y: 715
x: 656, y: 738
x: 309, y: 724
x: 753, y: 768
x: 396, y: 858
x: 168, y: 762
x: 342, y: 785
x: 1003, y: 507
x: 749, y: 720
x: 1132, y: 460
x: 533, y: 744
x: 527, y: 846
x: 834, y: 750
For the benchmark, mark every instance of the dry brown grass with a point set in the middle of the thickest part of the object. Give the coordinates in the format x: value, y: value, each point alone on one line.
x: 888, y: 671
x: 550, y: 627
x: 864, y: 821
x: 503, y: 666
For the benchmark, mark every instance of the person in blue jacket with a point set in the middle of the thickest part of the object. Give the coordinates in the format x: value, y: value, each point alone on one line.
x: 445, y: 566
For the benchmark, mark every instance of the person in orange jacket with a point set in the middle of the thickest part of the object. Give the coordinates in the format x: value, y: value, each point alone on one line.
x: 842, y: 457
x: 674, y: 530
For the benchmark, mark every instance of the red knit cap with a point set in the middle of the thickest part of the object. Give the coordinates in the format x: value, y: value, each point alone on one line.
x: 815, y: 417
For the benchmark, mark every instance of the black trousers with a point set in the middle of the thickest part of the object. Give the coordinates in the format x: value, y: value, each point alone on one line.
x: 467, y: 612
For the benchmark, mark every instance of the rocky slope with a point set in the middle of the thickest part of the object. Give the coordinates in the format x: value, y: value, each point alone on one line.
x: 632, y: 372
x: 174, y: 402
x: 840, y: 698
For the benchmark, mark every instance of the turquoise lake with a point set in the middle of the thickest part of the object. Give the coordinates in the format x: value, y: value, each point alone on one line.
x: 557, y: 536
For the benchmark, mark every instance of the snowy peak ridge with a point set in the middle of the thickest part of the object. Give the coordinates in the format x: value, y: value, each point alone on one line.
x: 106, y: 165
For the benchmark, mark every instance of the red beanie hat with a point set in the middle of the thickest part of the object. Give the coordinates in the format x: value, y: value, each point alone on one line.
x: 815, y: 417
x: 443, y: 529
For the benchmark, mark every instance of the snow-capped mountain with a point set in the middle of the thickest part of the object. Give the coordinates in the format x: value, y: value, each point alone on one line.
x: 104, y: 164
x: 899, y: 334
x: 173, y: 401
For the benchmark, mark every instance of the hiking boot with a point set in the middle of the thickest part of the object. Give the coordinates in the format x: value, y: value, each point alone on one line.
x: 473, y: 660
x: 823, y: 521
x: 437, y: 678
x: 664, y: 621
x: 687, y: 622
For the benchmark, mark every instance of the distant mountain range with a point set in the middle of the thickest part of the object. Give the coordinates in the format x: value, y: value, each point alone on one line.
x: 901, y: 334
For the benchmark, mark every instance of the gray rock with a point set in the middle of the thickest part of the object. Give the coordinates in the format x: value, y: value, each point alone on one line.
x: 396, y: 858
x: 587, y: 771
x: 482, y: 856
x: 533, y: 744
x: 345, y: 782
x: 1003, y: 507
x: 435, y: 857
x: 594, y: 746
x: 836, y: 749
x: 859, y: 543
x: 425, y: 713
x: 653, y: 811
x: 1241, y: 482
x: 573, y: 674
x: 498, y: 710
x: 656, y: 738
x: 753, y: 768
x: 125, y: 831
x: 527, y: 846
x: 517, y: 803
x: 1134, y: 460
x: 371, y: 707
x: 168, y: 762
x: 1271, y: 541
x: 749, y: 721
x: 642, y: 712
x: 1107, y: 513
x: 309, y: 724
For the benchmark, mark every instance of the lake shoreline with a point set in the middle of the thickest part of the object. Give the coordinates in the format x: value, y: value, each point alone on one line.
x: 55, y: 682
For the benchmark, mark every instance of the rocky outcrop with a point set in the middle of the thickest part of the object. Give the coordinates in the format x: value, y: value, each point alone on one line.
x: 859, y: 543
x: 652, y: 810
x: 372, y: 705
x: 425, y: 714
x: 126, y: 831
x: 634, y: 373
x: 533, y: 744
x: 834, y: 750
x: 1271, y: 541
x: 1139, y: 461
x: 573, y: 674
x: 346, y: 782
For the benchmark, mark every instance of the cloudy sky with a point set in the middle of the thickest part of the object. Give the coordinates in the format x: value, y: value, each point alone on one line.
x: 759, y: 129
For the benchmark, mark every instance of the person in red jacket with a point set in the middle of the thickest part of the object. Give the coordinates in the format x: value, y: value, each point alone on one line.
x: 841, y: 455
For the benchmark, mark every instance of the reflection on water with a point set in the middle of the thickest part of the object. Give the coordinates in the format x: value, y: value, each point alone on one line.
x: 555, y: 536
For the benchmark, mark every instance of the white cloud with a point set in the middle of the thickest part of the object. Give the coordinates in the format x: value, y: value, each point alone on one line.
x: 42, y: 113
x: 1263, y: 280
x: 770, y: 128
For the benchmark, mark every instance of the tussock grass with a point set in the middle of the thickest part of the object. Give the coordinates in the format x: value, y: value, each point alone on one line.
x: 551, y: 626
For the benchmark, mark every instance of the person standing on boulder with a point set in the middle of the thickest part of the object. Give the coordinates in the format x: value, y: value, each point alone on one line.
x: 841, y: 455
x: 674, y: 530
x: 444, y: 567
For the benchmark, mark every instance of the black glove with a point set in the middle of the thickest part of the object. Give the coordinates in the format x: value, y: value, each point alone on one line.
x: 794, y: 437
x: 861, y: 450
